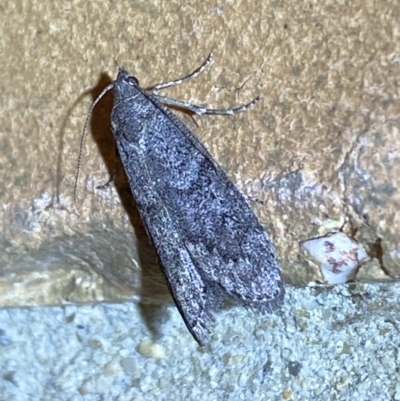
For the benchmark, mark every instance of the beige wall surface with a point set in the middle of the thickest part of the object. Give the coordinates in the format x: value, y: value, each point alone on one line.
x: 320, y: 150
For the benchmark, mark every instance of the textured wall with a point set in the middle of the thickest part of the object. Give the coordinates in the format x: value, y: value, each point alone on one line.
x: 320, y: 149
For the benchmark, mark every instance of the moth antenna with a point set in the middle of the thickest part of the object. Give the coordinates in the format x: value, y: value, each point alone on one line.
x: 93, y: 105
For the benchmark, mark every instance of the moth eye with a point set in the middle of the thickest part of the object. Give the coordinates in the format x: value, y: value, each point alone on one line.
x: 133, y: 81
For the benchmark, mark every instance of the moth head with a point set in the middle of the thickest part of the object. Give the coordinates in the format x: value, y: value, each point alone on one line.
x: 124, y: 84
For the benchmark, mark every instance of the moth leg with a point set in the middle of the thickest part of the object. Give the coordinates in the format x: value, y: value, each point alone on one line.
x: 178, y: 81
x: 114, y: 171
x: 199, y: 110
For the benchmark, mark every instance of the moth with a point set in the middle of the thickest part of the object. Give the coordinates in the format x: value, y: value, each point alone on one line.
x: 209, y: 242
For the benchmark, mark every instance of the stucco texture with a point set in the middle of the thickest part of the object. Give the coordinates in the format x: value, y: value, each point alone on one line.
x: 319, y: 152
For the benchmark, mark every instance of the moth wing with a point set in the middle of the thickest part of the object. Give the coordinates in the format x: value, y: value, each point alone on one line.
x: 206, y: 236
x: 227, y: 244
x: 192, y: 295
x: 190, y: 292
x: 253, y: 282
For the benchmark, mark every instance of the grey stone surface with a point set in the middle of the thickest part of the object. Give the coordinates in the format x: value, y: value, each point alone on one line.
x: 336, y: 343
